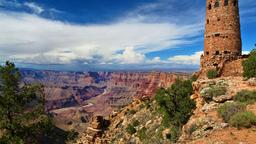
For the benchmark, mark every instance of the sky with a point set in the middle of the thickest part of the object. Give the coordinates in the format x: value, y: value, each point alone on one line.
x: 110, y: 35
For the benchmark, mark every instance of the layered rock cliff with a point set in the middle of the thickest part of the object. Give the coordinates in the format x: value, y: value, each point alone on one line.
x: 73, y: 97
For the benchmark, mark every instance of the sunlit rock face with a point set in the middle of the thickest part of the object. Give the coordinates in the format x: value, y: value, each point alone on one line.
x: 75, y: 96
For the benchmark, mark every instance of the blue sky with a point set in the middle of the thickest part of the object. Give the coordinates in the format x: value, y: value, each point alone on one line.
x: 109, y: 34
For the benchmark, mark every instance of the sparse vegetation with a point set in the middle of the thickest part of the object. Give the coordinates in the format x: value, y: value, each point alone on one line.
x: 131, y: 112
x: 249, y: 65
x: 142, y: 133
x: 235, y: 113
x: 243, y: 119
x: 193, y: 77
x: 130, y: 129
x: 213, y: 73
x: 192, y: 128
x: 227, y: 110
x: 213, y: 91
x: 246, y: 96
x: 147, y: 103
x: 136, y: 123
x: 175, y: 105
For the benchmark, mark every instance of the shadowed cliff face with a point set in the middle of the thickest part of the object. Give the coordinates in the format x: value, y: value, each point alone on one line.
x: 75, y: 95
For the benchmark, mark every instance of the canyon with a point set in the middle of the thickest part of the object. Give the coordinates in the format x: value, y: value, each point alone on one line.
x: 72, y: 98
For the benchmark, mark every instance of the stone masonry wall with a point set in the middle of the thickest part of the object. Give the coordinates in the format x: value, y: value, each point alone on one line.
x: 222, y: 29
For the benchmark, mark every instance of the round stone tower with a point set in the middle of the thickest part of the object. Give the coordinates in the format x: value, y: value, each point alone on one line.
x: 222, y: 30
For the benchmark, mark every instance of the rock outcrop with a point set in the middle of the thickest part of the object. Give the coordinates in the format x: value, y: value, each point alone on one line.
x: 206, y: 126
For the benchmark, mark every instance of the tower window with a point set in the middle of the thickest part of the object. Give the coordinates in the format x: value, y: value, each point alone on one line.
x: 235, y: 2
x: 217, y: 4
x: 225, y: 2
x: 217, y: 35
x: 226, y: 52
x: 218, y: 19
x: 209, y: 7
x: 208, y: 21
x: 217, y: 52
x: 207, y: 53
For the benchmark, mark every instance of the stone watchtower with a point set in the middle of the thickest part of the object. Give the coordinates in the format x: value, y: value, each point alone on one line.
x: 222, y: 33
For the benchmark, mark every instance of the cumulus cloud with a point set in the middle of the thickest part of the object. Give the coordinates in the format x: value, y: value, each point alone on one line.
x: 29, y: 37
x: 193, y: 59
x: 129, y: 56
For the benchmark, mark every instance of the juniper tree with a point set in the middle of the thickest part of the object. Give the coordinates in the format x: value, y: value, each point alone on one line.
x: 21, y: 107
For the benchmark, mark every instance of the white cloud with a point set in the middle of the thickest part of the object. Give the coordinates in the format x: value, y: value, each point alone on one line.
x: 33, y: 6
x: 155, y: 60
x: 129, y: 56
x: 245, y: 52
x: 193, y: 59
x: 30, y: 38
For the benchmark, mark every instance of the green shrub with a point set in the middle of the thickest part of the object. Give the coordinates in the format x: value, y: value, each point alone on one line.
x: 243, y: 119
x: 193, y: 78
x: 142, y: 133
x: 175, y: 134
x: 131, y: 112
x: 249, y: 65
x: 211, y: 74
x: 175, y: 105
x: 227, y: 110
x: 130, y: 129
x: 136, y: 123
x: 213, y: 91
x: 246, y: 96
x: 147, y: 104
x: 192, y: 128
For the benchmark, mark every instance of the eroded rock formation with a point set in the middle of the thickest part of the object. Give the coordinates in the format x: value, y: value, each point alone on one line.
x: 72, y: 97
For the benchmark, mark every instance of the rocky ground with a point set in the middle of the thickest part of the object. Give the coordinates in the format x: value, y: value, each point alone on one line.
x: 142, y: 116
x: 206, y: 126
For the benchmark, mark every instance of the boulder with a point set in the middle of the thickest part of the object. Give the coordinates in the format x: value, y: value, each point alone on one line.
x: 252, y: 82
x: 222, y: 98
x: 209, y: 106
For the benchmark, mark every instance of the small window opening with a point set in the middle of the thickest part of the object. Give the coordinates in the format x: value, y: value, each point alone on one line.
x: 226, y: 3
x: 217, y: 4
x: 235, y: 2
x: 217, y: 35
x: 209, y: 7
x: 207, y: 53
x: 226, y: 52
x: 218, y: 19
x: 208, y: 21
x: 217, y: 53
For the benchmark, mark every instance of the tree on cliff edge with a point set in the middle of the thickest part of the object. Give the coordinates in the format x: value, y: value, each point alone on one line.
x: 249, y: 65
x: 21, y: 108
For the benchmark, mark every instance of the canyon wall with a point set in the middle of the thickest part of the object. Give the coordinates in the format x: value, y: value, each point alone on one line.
x: 72, y: 97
